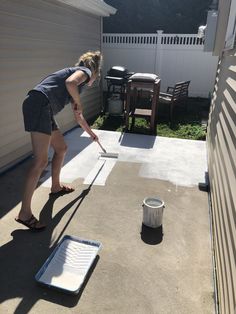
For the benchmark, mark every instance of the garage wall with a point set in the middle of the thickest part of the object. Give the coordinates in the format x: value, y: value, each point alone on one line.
x: 37, y: 38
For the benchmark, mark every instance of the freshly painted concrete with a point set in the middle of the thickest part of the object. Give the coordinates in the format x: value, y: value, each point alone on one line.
x: 139, y: 270
x: 182, y: 162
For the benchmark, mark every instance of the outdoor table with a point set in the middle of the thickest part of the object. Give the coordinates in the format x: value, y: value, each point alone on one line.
x: 147, y: 82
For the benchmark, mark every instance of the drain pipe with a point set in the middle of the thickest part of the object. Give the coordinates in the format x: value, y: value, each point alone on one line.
x: 214, y: 273
x: 214, y: 5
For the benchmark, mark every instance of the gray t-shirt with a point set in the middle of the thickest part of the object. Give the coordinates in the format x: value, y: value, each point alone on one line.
x: 54, y: 88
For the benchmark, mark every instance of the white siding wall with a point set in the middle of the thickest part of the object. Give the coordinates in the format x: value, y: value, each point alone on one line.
x: 221, y: 141
x: 173, y: 57
x: 37, y: 38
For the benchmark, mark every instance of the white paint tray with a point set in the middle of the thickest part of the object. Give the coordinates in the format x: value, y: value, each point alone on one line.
x: 67, y: 266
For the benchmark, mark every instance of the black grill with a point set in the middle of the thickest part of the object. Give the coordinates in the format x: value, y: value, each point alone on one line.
x: 117, y: 73
x: 117, y: 78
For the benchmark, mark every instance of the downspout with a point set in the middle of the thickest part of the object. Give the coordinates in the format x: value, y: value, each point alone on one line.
x: 213, y: 6
x: 209, y: 31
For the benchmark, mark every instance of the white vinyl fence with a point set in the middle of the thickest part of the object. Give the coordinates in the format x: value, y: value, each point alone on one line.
x: 173, y: 57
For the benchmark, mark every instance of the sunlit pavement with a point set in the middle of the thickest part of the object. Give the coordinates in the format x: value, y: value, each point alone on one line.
x: 139, y: 270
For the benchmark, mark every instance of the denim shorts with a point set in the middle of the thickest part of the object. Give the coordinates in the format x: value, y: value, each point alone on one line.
x: 38, y: 116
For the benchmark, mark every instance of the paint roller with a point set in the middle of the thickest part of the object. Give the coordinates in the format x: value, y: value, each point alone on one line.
x: 105, y: 154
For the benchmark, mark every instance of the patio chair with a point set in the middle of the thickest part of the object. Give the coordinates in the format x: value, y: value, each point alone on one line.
x: 174, y: 95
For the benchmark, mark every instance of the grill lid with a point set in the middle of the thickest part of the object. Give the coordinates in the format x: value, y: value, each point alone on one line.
x: 117, y: 71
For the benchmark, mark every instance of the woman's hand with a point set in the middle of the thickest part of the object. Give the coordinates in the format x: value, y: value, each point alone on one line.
x: 82, y: 122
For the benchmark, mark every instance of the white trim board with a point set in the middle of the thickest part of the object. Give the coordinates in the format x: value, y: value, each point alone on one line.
x: 96, y: 7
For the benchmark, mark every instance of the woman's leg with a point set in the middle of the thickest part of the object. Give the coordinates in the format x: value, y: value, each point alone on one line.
x: 40, y: 145
x: 60, y: 148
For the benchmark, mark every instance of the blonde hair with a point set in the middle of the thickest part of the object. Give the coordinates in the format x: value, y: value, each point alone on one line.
x: 91, y: 60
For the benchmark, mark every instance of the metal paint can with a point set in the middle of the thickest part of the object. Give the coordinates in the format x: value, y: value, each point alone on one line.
x: 153, y: 209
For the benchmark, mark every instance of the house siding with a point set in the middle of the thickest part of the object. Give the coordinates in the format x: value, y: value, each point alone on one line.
x: 221, y: 141
x: 37, y: 38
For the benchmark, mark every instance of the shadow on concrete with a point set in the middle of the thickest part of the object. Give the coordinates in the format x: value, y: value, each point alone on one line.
x: 12, y: 180
x: 23, y: 256
x: 138, y: 141
x: 12, y: 183
x: 151, y: 236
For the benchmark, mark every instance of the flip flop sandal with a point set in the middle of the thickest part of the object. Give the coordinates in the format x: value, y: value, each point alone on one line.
x: 31, y: 223
x: 64, y: 190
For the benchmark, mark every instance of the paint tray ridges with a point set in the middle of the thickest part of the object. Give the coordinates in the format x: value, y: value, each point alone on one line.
x: 67, y: 266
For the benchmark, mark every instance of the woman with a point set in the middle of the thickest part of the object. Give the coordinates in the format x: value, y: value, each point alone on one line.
x: 42, y: 103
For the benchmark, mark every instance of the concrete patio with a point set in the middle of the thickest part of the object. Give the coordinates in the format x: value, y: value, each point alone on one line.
x: 138, y: 270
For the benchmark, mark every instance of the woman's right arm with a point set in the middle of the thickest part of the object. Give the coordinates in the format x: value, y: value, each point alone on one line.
x: 84, y: 124
x: 72, y: 84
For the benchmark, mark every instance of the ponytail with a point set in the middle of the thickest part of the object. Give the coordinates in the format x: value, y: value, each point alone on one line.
x: 91, y: 60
